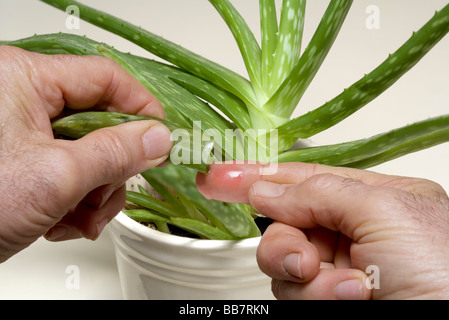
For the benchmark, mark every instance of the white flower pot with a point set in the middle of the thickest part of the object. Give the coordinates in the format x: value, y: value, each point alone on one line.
x: 155, y: 265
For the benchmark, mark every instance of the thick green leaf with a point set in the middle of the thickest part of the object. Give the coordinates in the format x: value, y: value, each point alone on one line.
x: 235, y: 218
x: 372, y: 84
x: 165, y: 49
x: 201, y: 229
x: 193, y: 108
x: 289, y: 40
x: 142, y: 215
x: 269, y: 30
x: 247, y: 43
x: 378, y: 149
x: 197, y: 227
x: 174, y: 200
x: 153, y: 204
x: 285, y: 99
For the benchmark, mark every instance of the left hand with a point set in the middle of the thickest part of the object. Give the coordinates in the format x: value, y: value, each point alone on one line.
x: 68, y: 189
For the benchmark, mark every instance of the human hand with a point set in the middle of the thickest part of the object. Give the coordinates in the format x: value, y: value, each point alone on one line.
x: 332, y: 223
x: 68, y: 189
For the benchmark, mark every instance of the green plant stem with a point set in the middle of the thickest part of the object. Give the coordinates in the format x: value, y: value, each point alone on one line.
x: 372, y: 84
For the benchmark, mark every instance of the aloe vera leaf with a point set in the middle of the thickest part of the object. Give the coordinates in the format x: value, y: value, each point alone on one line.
x: 197, y: 227
x: 142, y: 190
x: 236, y: 219
x: 191, y: 210
x: 202, y: 229
x: 289, y: 40
x: 56, y: 43
x: 230, y: 105
x: 151, y: 203
x: 269, y: 30
x: 170, y: 197
x: 209, y: 118
x: 247, y: 43
x: 408, y: 147
x: 189, y: 105
x: 147, y: 216
x: 372, y: 84
x: 286, y: 98
x: 142, y: 215
x: 162, y: 190
x: 79, y: 124
x: 377, y: 149
x: 162, y: 226
x: 164, y: 49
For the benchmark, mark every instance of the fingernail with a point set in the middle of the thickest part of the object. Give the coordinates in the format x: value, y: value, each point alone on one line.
x: 100, y: 226
x: 157, y: 142
x: 292, y: 264
x: 268, y: 189
x: 349, y: 290
x: 57, y: 232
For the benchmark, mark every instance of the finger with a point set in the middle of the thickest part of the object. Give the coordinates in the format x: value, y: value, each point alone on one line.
x: 87, y: 221
x: 285, y: 253
x: 82, y: 82
x: 231, y: 182
x: 329, y: 284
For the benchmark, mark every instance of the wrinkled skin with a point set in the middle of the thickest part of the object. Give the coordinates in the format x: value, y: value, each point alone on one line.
x: 333, y: 224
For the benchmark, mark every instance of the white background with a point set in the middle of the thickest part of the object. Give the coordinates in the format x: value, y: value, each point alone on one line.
x: 39, y: 272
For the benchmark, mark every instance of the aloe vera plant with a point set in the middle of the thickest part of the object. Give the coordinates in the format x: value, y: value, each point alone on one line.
x: 204, y: 99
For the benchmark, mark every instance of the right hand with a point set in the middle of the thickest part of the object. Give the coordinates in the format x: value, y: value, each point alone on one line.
x: 347, y: 220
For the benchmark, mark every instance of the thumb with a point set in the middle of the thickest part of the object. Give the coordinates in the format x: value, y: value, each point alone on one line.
x: 111, y: 155
x: 104, y: 160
